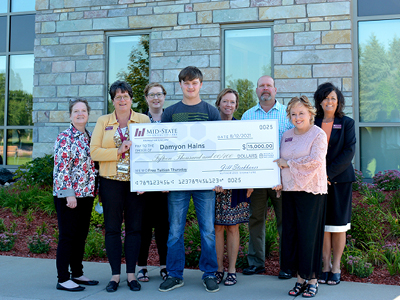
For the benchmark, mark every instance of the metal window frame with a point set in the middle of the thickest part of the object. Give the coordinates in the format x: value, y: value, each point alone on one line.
x: 356, y: 99
x: 4, y: 127
x: 239, y: 26
x: 109, y: 34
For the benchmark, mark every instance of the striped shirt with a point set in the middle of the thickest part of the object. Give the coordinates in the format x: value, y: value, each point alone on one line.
x: 278, y: 111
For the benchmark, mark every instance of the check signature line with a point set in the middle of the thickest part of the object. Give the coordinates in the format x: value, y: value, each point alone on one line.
x: 244, y: 170
x: 178, y: 160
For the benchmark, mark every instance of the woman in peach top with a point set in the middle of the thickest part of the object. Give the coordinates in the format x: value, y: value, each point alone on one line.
x: 304, y: 188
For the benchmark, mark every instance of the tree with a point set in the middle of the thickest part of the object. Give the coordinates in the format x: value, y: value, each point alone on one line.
x: 245, y: 89
x: 374, y: 70
x: 138, y: 73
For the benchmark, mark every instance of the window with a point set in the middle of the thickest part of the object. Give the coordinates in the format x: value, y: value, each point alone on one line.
x: 247, y: 56
x: 17, y: 35
x: 378, y: 87
x: 128, y: 60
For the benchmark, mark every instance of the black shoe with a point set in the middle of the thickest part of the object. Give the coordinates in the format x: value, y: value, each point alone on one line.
x: 211, y: 284
x: 75, y: 289
x: 170, y: 283
x: 253, y: 270
x: 112, y: 286
x: 284, y: 275
x: 89, y: 282
x: 134, y: 285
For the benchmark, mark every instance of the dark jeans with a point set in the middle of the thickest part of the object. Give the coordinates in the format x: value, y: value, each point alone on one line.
x: 155, y: 215
x: 73, y: 226
x: 118, y: 204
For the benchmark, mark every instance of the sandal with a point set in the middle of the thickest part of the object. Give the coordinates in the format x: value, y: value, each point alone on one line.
x: 142, y: 275
x: 334, y: 279
x: 164, y: 273
x: 298, y: 289
x: 219, y: 276
x: 311, y: 291
x: 230, y: 279
x: 323, y: 279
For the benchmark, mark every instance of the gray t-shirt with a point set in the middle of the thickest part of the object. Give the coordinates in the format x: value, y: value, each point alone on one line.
x: 181, y: 112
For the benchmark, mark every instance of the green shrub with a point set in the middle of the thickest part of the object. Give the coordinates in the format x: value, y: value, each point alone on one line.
x: 3, y: 227
x: 95, y: 244
x: 358, y: 266
x: 395, y: 202
x: 388, y: 180
x: 366, y: 223
x: 271, y: 235
x: 96, y: 219
x: 392, y: 258
x: 19, y: 199
x: 39, y: 243
x: 192, y: 244
x: 7, y: 240
x: 241, y: 261
x: 373, y: 195
x: 191, y: 214
x: 39, y: 171
x: 358, y: 184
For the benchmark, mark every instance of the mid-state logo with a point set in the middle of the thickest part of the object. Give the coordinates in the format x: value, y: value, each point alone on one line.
x: 156, y: 132
x: 139, y: 132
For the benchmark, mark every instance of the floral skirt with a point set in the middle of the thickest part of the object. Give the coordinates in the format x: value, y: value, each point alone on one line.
x: 227, y: 215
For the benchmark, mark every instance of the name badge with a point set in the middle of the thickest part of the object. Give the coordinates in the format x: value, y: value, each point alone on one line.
x: 337, y: 126
x: 123, y: 168
x: 288, y: 139
x: 109, y: 128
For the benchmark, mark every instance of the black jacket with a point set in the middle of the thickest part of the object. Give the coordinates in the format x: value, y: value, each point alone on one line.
x: 341, y: 149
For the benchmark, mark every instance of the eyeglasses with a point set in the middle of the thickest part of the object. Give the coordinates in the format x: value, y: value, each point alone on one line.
x: 119, y: 98
x: 152, y: 95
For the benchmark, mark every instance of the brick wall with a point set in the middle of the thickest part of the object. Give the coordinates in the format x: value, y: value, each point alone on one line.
x: 312, y: 44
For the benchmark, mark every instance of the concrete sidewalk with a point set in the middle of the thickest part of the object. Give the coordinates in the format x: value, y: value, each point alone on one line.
x: 33, y: 278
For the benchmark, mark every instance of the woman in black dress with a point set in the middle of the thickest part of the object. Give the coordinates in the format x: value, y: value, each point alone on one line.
x: 329, y: 102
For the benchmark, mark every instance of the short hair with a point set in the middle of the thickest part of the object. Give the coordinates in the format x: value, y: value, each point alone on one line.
x: 190, y: 73
x: 304, y: 101
x: 75, y: 101
x: 223, y: 93
x: 322, y: 92
x: 151, y: 85
x: 273, y: 80
x: 122, y: 86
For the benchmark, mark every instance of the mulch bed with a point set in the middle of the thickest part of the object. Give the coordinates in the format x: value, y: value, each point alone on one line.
x: 25, y: 229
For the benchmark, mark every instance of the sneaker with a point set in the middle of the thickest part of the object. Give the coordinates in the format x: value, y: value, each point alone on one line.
x: 170, y: 283
x: 211, y: 284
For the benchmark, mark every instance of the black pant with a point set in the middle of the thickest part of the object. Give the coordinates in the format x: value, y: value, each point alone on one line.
x: 118, y: 204
x: 303, y: 224
x: 155, y: 215
x: 73, y: 226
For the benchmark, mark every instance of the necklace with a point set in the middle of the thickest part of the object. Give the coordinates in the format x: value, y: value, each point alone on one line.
x: 328, y: 120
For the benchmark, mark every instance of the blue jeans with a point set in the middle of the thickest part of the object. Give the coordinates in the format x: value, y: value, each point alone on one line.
x: 178, y: 204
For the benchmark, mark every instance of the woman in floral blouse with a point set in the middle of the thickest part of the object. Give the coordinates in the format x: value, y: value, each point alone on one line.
x: 73, y: 191
x: 110, y: 147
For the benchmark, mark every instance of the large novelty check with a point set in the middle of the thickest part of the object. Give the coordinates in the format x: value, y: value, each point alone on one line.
x: 201, y: 155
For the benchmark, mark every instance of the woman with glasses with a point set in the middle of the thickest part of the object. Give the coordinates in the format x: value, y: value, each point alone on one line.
x: 155, y: 211
x: 73, y: 190
x: 110, y: 147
